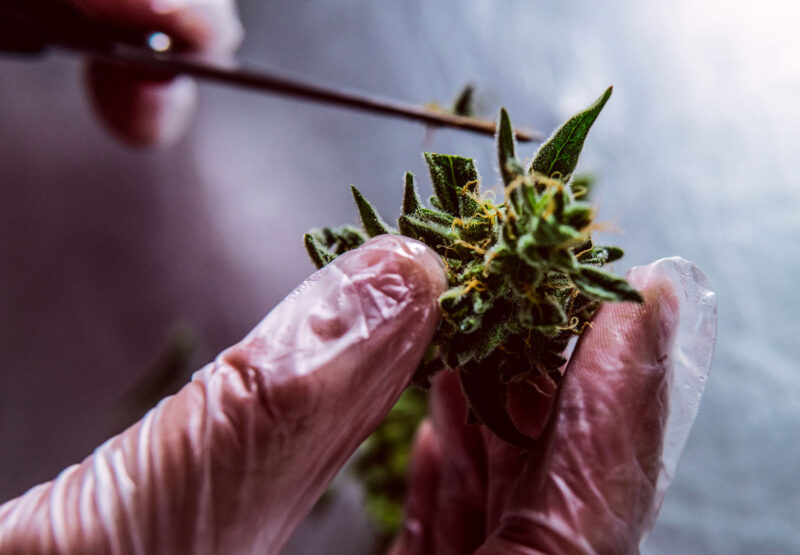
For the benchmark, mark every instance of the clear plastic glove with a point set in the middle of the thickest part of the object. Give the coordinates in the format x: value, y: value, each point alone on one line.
x: 146, y: 111
x: 233, y: 462
x: 596, y: 481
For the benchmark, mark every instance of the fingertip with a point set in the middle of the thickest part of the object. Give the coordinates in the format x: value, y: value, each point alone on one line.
x: 141, y: 111
x: 419, y: 264
x: 640, y: 332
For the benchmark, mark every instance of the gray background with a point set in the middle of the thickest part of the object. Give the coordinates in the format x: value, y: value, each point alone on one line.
x: 103, y: 249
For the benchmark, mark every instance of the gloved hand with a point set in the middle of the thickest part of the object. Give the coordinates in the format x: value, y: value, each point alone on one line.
x: 596, y: 480
x: 232, y: 462
x: 138, y: 108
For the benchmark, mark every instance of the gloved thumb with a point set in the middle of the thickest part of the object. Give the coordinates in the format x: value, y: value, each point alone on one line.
x: 234, y: 461
x: 627, y: 403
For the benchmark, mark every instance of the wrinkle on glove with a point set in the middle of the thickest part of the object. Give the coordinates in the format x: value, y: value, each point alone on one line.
x: 237, y: 458
x: 145, y: 110
x: 595, y: 481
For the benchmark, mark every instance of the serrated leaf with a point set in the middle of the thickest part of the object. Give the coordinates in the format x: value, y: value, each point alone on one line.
x: 449, y: 175
x: 605, y: 286
x: 559, y: 154
x: 372, y: 221
x: 318, y: 253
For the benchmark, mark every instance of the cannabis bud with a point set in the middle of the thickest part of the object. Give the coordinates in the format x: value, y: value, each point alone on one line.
x: 524, y: 275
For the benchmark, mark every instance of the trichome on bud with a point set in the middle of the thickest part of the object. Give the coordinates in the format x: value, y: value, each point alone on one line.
x: 524, y: 275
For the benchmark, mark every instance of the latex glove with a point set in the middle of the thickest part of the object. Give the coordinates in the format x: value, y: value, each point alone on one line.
x: 146, y: 111
x: 234, y: 461
x: 596, y: 480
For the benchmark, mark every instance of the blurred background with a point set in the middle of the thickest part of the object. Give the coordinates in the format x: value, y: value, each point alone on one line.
x: 104, y: 250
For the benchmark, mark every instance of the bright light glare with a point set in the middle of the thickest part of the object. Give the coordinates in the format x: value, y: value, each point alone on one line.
x: 159, y: 42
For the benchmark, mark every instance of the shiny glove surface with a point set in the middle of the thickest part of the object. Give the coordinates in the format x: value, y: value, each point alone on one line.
x: 233, y: 462
x: 596, y: 480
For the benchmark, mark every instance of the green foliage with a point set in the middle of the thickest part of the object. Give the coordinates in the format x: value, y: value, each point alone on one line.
x: 524, y: 275
x: 382, y: 460
x: 524, y: 278
x: 559, y: 155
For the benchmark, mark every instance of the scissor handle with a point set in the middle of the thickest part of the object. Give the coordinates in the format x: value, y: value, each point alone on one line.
x: 30, y: 26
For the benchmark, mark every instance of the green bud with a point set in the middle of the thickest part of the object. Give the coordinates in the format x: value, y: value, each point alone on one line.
x: 524, y: 275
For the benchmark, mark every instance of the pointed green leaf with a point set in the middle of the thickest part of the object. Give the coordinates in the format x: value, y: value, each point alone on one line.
x: 605, y: 286
x: 318, y: 253
x: 449, y: 175
x: 373, y: 223
x: 510, y: 168
x: 611, y: 254
x: 559, y: 154
x: 506, y: 146
x: 411, y: 201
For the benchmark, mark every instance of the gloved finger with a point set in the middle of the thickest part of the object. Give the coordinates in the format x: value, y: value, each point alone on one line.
x: 620, y: 422
x: 529, y: 404
x: 421, y: 509
x: 460, y: 522
x: 141, y: 109
x: 233, y: 461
